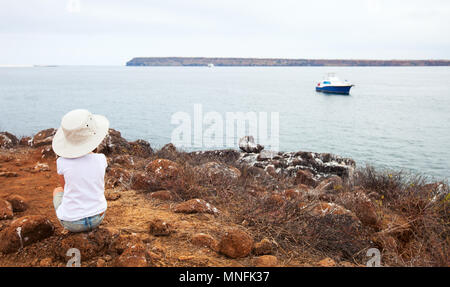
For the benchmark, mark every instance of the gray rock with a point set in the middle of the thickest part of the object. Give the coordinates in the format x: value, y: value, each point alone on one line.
x: 8, y: 140
x: 248, y: 144
x: 289, y: 163
x: 267, y: 155
x: 44, y: 137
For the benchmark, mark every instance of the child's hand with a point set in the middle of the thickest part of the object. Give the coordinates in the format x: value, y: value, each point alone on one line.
x: 57, y: 190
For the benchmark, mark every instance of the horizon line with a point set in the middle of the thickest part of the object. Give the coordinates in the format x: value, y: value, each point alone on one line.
x: 290, y: 58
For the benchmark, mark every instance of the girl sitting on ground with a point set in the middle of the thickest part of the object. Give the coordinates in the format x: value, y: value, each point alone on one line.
x: 80, y: 203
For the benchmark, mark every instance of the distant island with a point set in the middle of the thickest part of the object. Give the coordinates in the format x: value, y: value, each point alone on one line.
x: 202, y: 61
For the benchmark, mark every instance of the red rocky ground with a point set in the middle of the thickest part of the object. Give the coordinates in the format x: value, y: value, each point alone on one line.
x: 169, y: 208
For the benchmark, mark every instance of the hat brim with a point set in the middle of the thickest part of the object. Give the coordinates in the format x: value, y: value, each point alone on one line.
x: 65, y: 149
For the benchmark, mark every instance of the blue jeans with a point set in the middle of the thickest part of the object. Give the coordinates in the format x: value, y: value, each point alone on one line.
x: 85, y: 224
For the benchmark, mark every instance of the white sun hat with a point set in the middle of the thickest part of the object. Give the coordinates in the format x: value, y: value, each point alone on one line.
x: 79, y: 134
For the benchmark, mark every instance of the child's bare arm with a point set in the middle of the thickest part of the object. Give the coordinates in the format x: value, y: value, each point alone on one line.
x: 62, y: 181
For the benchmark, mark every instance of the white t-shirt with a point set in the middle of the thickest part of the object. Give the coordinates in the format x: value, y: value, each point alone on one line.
x: 84, y: 191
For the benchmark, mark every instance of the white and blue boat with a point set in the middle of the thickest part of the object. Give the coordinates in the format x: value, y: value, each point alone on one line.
x: 332, y: 84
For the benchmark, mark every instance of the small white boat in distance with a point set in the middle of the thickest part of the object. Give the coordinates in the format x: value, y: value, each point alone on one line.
x: 332, y: 84
x: 210, y: 65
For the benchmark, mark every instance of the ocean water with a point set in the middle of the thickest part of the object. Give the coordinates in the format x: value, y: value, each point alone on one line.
x: 395, y: 117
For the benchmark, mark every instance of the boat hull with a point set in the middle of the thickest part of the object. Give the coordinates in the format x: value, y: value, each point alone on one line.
x: 344, y: 90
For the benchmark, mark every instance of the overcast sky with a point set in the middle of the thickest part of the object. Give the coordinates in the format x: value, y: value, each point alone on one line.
x: 110, y: 32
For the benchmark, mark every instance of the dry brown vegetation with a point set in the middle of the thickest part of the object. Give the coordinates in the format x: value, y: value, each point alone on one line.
x: 257, y: 202
x: 299, y: 221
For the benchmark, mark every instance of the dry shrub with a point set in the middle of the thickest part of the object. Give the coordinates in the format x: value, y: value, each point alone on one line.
x: 192, y: 184
x: 178, y: 156
x: 248, y: 201
x: 423, y: 205
x: 385, y: 183
x: 426, y: 207
x: 226, y: 156
x: 186, y: 186
x: 295, y: 230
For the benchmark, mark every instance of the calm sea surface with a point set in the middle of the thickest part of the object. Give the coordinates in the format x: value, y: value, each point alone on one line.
x: 395, y: 117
